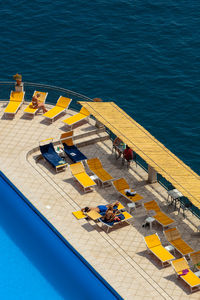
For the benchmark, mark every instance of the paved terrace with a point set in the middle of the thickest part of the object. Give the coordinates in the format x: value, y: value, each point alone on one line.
x: 119, y: 256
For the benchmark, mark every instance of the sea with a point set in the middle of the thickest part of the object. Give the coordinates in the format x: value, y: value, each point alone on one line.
x: 142, y: 54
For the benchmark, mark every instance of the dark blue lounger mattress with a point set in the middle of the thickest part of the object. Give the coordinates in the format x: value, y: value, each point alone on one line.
x: 49, y: 153
x: 74, y: 153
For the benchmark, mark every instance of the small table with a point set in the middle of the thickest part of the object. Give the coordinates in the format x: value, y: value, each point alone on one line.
x: 94, y: 215
x: 119, y: 149
x: 150, y: 220
x: 175, y: 195
x: 60, y: 152
x: 170, y: 248
x: 197, y: 273
x: 95, y: 178
x: 131, y: 206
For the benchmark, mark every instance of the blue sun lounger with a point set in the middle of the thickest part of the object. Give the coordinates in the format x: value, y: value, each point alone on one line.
x: 124, y: 216
x: 70, y: 149
x: 73, y: 153
x: 49, y: 154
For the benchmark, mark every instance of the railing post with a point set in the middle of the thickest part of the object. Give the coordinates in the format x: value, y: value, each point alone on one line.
x: 152, y: 175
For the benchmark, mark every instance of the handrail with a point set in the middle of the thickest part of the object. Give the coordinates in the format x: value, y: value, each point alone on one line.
x: 54, y: 92
x: 47, y: 86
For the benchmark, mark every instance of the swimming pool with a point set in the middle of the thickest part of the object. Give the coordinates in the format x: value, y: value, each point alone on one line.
x: 35, y: 263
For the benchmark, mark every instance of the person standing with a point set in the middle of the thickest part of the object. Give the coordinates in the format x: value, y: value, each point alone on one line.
x: 128, y: 153
x: 19, y: 86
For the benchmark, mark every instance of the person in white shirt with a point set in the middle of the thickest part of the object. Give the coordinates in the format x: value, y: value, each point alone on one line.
x: 19, y: 86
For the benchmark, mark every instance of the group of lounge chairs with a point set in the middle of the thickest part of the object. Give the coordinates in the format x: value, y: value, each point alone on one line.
x: 79, y: 173
x: 17, y: 99
x: 180, y: 265
x: 158, y: 214
x: 49, y: 153
x: 98, y: 216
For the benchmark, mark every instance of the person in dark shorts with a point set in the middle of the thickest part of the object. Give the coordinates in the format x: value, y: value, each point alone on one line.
x: 101, y: 208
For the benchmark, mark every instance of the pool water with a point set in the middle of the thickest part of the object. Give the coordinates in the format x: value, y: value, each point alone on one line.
x: 34, y: 262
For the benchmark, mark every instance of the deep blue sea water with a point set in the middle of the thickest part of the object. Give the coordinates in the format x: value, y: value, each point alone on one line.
x: 142, y: 54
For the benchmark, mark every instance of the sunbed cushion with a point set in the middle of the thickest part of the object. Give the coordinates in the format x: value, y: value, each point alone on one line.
x: 84, y: 180
x: 152, y: 241
x: 182, y: 246
x: 136, y: 197
x: 79, y: 214
x: 50, y: 155
x: 163, y: 219
x: 74, y: 153
x: 53, y: 112
x: 152, y: 205
x: 190, y: 278
x: 162, y: 253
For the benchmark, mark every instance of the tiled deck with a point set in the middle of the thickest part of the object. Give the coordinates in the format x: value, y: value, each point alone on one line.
x: 119, y: 256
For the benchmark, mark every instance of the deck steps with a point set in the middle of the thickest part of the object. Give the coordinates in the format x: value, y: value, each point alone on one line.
x: 91, y: 139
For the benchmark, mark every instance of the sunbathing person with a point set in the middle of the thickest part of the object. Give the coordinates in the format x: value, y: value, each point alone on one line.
x: 37, y: 104
x: 110, y: 216
x: 101, y: 208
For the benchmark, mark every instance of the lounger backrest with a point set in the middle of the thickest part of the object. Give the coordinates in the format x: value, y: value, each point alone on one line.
x: 16, y: 96
x: 77, y: 168
x: 63, y: 102
x: 42, y: 96
x: 172, y: 234
x: 84, y: 111
x: 152, y: 205
x: 47, y: 148
x: 67, y: 138
x: 152, y: 240
x: 195, y: 257
x: 180, y: 264
x: 121, y: 184
x: 94, y: 163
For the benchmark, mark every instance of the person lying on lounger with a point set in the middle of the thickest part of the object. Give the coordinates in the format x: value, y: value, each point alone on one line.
x: 100, y: 208
x: 37, y: 104
x: 110, y: 216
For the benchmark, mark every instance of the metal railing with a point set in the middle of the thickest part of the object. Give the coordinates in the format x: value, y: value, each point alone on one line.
x: 161, y: 180
x: 54, y: 93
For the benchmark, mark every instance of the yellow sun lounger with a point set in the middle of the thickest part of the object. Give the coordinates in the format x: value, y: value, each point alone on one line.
x: 109, y: 225
x: 61, y: 106
x: 121, y: 186
x: 83, y: 114
x: 183, y: 271
x: 42, y: 98
x: 159, y: 216
x: 79, y: 214
x: 95, y: 166
x: 195, y: 257
x: 81, y: 176
x: 174, y: 238
x: 16, y: 100
x: 154, y: 245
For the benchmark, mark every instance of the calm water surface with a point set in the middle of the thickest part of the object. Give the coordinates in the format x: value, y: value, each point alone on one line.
x: 142, y: 54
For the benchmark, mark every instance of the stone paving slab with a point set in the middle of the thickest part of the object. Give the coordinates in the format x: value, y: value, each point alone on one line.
x: 119, y: 256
